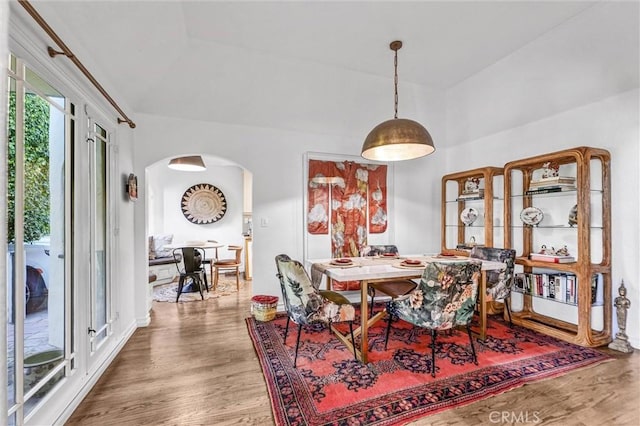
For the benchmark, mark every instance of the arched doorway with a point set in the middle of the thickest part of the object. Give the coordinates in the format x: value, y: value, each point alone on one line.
x: 166, y: 222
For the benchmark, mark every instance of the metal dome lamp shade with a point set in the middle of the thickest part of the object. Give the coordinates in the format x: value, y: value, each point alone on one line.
x: 399, y: 138
x: 192, y: 163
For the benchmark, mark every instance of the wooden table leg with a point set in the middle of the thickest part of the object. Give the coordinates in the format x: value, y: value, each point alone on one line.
x: 364, y: 321
x: 483, y: 306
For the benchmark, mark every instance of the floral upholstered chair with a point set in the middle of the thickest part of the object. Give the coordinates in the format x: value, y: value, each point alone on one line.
x: 445, y: 298
x: 499, y: 281
x: 393, y: 289
x: 307, y: 305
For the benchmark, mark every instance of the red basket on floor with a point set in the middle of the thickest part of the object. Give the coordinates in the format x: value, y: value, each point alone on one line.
x: 264, y: 307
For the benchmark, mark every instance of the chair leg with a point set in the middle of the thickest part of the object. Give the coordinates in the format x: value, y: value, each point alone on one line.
x: 295, y: 357
x: 286, y: 329
x: 386, y: 337
x: 206, y: 283
x: 197, y: 280
x: 473, y: 349
x: 506, y: 305
x: 353, y: 342
x: 433, y: 353
x: 372, y: 294
x: 180, y: 286
x: 211, y: 274
x: 215, y: 279
x: 237, y: 278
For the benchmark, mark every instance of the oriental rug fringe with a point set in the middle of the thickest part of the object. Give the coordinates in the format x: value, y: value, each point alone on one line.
x: 329, y: 387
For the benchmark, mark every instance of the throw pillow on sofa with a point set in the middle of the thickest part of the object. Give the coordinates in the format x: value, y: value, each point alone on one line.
x: 159, y: 241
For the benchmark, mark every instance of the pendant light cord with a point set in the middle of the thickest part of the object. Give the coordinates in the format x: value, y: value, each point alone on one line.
x: 395, y: 83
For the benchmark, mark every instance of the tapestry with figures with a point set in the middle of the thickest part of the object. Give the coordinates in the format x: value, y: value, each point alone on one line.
x: 357, y: 193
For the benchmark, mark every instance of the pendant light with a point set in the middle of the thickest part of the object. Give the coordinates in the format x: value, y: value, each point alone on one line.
x: 399, y: 138
x: 191, y: 163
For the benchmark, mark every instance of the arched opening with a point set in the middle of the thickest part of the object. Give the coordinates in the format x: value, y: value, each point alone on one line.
x: 168, y: 223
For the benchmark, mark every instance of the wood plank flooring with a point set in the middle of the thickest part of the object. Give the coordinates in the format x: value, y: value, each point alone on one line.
x: 195, y: 365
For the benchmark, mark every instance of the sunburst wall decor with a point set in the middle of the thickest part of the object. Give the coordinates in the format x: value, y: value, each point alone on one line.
x: 203, y: 203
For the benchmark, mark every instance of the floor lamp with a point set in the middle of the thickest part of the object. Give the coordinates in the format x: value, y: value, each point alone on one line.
x: 330, y: 181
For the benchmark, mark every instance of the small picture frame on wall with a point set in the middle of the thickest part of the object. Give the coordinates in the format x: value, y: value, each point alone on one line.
x: 132, y: 187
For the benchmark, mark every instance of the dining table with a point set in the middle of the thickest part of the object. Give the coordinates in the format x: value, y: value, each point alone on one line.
x: 381, y: 269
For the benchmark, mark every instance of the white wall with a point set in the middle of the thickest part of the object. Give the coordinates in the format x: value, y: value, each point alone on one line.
x: 575, y: 86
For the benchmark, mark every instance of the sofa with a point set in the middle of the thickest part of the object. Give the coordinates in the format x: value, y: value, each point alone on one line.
x: 161, y: 262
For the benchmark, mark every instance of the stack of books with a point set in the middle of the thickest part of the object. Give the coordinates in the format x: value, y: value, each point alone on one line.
x: 552, y: 184
x: 552, y: 258
x: 472, y: 195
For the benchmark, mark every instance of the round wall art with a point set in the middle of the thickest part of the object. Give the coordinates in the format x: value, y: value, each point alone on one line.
x: 203, y: 203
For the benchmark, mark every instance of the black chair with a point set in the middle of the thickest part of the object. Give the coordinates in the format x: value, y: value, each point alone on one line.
x: 189, y: 264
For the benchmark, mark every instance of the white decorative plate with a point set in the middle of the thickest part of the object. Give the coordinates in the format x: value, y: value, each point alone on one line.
x: 203, y: 203
x: 531, y: 216
x: 468, y: 215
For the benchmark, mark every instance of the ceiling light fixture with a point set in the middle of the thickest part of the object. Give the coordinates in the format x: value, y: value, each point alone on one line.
x: 192, y: 163
x: 399, y: 138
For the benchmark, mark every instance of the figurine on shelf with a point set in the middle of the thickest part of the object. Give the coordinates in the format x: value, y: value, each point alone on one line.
x: 550, y: 169
x: 472, y: 185
x: 564, y: 251
x: 543, y: 250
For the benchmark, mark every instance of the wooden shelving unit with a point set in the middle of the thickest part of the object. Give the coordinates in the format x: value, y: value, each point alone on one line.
x: 452, y: 227
x: 590, y: 241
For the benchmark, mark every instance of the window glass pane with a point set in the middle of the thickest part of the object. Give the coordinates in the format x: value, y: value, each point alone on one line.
x: 44, y: 235
x: 101, y: 231
x: 11, y: 161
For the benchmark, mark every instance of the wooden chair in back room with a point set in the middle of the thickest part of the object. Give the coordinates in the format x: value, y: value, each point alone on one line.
x: 228, y: 264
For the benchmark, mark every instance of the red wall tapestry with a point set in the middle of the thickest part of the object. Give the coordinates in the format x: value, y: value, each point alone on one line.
x: 358, y: 194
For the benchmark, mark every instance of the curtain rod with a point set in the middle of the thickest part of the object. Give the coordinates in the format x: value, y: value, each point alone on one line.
x: 69, y: 54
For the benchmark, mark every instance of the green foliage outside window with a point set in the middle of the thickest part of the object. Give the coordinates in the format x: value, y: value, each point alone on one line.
x: 36, y: 168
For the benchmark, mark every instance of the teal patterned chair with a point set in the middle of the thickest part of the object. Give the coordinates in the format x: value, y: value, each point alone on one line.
x: 499, y: 281
x: 392, y: 289
x: 445, y: 298
x: 306, y: 305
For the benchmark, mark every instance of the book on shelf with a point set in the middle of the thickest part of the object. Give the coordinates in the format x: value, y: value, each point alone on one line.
x: 560, y: 287
x: 555, y: 179
x: 551, y: 258
x: 550, y: 189
x: 467, y: 195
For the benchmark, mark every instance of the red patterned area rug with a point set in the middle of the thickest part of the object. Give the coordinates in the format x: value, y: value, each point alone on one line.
x: 329, y: 387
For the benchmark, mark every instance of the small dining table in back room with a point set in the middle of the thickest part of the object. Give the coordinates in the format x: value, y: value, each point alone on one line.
x: 380, y: 269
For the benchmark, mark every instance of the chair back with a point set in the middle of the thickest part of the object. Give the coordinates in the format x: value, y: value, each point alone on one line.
x: 238, y: 255
x: 499, y: 282
x: 191, y: 261
x: 302, y: 301
x: 378, y: 250
x: 446, y: 296
x: 280, y: 259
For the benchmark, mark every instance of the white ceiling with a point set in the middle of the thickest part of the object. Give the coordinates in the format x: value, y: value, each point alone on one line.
x: 174, y: 57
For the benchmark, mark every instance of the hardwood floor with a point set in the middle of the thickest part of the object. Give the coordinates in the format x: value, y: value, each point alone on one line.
x: 195, y: 364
